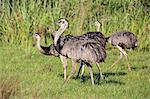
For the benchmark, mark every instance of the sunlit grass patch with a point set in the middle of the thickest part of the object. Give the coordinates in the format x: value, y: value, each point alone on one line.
x: 41, y: 76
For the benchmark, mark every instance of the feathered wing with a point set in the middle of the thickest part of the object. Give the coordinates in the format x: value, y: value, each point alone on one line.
x: 87, y: 48
x: 123, y: 39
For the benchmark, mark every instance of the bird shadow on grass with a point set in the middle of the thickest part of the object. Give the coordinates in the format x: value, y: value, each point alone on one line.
x: 99, y: 81
x: 140, y: 67
x: 107, y: 74
x: 110, y: 81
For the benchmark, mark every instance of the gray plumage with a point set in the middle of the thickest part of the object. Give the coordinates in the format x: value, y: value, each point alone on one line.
x: 89, y: 47
x: 50, y: 51
x: 96, y: 36
x: 69, y: 45
x: 123, y: 40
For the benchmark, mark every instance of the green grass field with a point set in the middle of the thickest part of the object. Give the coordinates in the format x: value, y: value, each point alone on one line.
x: 28, y: 74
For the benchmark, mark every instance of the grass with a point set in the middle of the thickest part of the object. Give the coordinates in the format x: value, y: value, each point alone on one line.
x: 36, y: 76
x: 26, y: 74
x: 21, y: 18
x: 8, y: 86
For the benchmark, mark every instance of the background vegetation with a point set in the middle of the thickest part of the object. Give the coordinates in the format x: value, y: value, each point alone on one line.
x: 24, y: 73
x: 21, y: 18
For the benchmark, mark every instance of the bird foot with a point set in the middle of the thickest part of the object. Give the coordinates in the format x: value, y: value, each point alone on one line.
x: 82, y: 78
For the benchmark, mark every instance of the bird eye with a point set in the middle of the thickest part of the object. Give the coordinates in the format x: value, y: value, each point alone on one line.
x: 63, y: 22
x: 60, y: 21
x: 36, y: 35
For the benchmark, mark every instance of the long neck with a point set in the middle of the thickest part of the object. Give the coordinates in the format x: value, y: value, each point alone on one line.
x: 38, y: 44
x: 97, y: 24
x: 58, y: 33
x: 97, y: 27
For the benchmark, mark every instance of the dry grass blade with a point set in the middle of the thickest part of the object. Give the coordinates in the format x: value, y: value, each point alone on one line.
x: 8, y: 87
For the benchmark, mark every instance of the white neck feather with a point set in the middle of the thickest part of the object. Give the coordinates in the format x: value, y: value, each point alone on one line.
x: 97, y: 26
x: 38, y: 44
x: 59, y: 32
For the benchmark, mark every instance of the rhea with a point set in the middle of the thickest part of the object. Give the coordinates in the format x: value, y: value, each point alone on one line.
x: 50, y: 50
x: 122, y: 40
x: 87, y: 47
x: 97, y: 24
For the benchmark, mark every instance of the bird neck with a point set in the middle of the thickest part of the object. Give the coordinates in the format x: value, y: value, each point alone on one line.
x: 59, y: 32
x: 98, y: 27
x: 38, y: 44
x: 52, y: 50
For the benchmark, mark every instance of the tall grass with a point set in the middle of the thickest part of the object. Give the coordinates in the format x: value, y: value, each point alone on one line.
x: 19, y: 19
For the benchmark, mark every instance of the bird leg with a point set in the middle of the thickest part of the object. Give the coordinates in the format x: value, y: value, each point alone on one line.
x: 82, y: 72
x: 74, y: 65
x: 127, y: 60
x: 100, y: 71
x: 91, y: 72
x: 120, y: 57
x: 126, y: 56
x: 64, y: 62
x: 81, y: 65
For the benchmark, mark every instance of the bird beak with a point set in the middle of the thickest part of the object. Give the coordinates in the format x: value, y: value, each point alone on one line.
x: 57, y: 22
x: 49, y: 30
x: 34, y: 36
x: 33, y: 44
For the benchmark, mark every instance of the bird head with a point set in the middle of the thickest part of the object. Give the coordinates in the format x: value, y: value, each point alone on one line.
x: 36, y: 37
x: 61, y: 22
